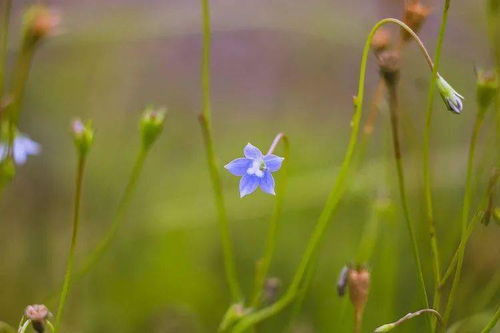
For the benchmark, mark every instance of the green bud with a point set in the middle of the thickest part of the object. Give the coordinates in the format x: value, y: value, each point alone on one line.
x: 451, y: 98
x: 385, y: 328
x: 486, y: 89
x: 83, y: 136
x: 151, y: 125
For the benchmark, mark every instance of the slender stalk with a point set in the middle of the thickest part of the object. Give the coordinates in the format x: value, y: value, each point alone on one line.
x: 493, y: 322
x: 4, y: 37
x: 122, y: 209
x: 335, y: 195
x: 388, y: 327
x: 272, y: 233
x: 426, y: 159
x: 206, y: 126
x: 465, y: 214
x: 71, y: 257
x: 394, y: 115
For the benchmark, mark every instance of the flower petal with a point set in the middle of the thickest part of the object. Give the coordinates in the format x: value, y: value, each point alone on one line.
x: 252, y: 152
x: 273, y: 162
x: 30, y: 147
x: 20, y: 155
x: 267, y: 183
x: 239, y: 166
x: 248, y: 184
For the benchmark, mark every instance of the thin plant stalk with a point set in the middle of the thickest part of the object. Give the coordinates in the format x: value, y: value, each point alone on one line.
x: 335, y: 195
x: 4, y: 37
x: 394, y: 116
x: 468, y: 192
x: 272, y: 233
x: 426, y: 159
x: 493, y: 322
x: 213, y: 165
x: 71, y: 256
x: 118, y: 218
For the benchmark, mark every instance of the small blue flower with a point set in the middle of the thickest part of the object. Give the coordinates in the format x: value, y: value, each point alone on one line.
x: 23, y: 147
x: 255, y: 170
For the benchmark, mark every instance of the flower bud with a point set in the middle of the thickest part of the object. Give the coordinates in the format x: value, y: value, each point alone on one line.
x: 451, y: 98
x: 151, y: 125
x: 414, y: 17
x: 39, y: 22
x: 486, y: 88
x: 385, y: 328
x: 358, y: 281
x: 381, y: 40
x: 83, y: 136
x: 38, y: 314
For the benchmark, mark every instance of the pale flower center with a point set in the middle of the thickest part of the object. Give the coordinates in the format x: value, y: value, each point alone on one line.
x: 257, y: 168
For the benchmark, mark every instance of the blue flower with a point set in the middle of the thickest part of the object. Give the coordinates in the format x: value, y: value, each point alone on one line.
x: 23, y: 147
x: 255, y: 170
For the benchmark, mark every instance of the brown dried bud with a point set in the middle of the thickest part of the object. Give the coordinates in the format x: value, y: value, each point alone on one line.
x: 388, y: 62
x: 271, y: 290
x: 381, y: 40
x: 358, y: 281
x: 38, y: 315
x: 414, y: 16
x: 40, y: 22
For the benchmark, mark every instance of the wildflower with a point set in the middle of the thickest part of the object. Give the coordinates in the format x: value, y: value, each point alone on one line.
x: 342, y: 281
x: 23, y: 147
x: 271, y: 289
x: 38, y: 315
x: 358, y: 281
x: 451, y: 98
x: 255, y: 170
x: 83, y: 136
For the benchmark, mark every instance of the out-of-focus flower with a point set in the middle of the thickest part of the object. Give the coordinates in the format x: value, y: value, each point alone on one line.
x: 38, y: 314
x: 342, y: 281
x: 22, y: 148
x: 255, y: 170
x: 451, y: 98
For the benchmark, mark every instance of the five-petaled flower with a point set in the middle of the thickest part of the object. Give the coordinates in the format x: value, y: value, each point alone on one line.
x: 22, y: 148
x: 255, y: 170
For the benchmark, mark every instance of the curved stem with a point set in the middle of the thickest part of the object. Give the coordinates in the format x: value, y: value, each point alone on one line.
x: 394, y: 115
x: 206, y: 126
x: 465, y: 214
x: 122, y: 209
x: 71, y: 257
x: 492, y: 323
x: 426, y: 159
x: 388, y: 327
x: 334, y: 196
x: 265, y: 262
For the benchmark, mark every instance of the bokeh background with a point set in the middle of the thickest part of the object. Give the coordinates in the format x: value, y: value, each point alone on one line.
x: 278, y: 65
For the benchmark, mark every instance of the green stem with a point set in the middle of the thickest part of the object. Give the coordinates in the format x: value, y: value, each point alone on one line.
x: 426, y: 160
x: 335, y: 195
x: 122, y: 209
x: 394, y: 115
x: 465, y: 214
x: 272, y: 233
x: 4, y: 37
x: 206, y: 126
x: 71, y: 257
x: 493, y: 322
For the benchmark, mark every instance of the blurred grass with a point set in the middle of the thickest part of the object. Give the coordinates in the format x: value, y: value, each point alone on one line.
x: 278, y: 66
